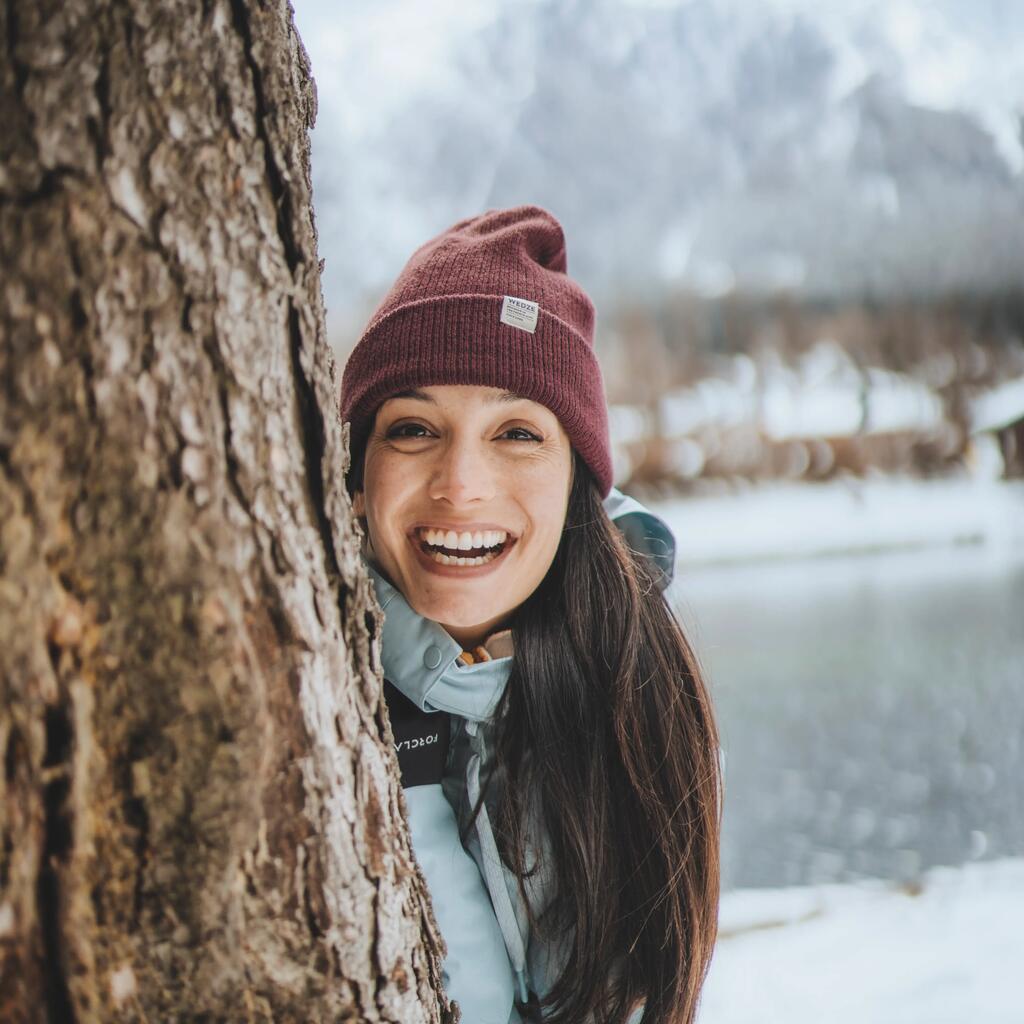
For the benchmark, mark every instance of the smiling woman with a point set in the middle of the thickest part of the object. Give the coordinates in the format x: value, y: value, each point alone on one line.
x: 556, y: 739
x: 436, y: 460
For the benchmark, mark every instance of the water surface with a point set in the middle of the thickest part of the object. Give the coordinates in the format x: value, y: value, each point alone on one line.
x: 871, y: 709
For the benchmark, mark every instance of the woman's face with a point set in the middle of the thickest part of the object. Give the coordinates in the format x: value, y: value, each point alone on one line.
x: 468, y: 472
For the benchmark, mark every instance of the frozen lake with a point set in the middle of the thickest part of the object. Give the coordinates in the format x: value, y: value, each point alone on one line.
x: 871, y: 708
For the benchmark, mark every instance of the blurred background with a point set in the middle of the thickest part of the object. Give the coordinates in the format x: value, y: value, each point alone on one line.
x: 801, y: 225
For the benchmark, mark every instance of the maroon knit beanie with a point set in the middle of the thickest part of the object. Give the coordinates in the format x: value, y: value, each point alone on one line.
x: 487, y: 302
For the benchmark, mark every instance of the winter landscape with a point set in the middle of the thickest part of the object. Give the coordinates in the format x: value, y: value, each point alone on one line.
x: 801, y: 226
x: 866, y: 651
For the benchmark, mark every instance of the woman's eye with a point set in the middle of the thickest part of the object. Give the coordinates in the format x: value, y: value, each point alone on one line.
x: 417, y: 430
x: 402, y: 430
x: 525, y: 435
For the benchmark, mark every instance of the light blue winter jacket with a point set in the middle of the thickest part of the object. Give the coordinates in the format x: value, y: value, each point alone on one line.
x: 491, y: 958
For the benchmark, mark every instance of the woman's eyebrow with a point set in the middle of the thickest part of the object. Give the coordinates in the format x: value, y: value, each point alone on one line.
x: 414, y: 393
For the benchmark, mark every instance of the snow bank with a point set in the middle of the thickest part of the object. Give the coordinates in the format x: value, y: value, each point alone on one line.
x: 871, y: 953
x: 771, y: 521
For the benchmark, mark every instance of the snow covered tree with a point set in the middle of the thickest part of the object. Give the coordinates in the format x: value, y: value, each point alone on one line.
x: 200, y: 817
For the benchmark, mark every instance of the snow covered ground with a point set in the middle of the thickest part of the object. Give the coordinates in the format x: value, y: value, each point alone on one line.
x: 871, y: 953
x: 779, y: 521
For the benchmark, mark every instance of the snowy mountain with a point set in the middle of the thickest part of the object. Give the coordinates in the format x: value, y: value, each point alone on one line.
x: 828, y: 149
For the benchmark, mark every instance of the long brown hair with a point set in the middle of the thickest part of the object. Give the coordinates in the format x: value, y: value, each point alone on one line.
x: 606, y: 721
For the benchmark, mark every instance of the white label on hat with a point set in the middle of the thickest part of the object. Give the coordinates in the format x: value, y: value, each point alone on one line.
x: 521, y: 313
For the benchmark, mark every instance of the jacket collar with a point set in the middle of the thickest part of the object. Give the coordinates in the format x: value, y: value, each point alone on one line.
x: 419, y: 656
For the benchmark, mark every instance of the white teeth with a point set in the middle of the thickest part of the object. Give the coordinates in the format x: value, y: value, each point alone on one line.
x: 463, y: 541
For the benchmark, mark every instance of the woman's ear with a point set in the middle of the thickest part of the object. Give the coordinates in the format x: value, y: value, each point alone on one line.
x: 358, y: 505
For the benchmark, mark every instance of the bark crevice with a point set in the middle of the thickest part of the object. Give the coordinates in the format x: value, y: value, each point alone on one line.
x: 310, y: 413
x: 281, y: 196
x: 311, y: 419
x: 56, y: 845
x: 99, y: 132
x: 20, y: 72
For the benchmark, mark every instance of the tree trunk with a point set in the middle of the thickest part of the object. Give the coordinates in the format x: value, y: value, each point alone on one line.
x: 201, y: 817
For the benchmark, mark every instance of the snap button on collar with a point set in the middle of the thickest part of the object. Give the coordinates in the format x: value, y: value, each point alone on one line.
x: 432, y: 656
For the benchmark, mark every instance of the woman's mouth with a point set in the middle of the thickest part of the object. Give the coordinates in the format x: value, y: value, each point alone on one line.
x: 465, y: 549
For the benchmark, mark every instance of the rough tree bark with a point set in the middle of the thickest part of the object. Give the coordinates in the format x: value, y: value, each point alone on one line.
x: 200, y: 814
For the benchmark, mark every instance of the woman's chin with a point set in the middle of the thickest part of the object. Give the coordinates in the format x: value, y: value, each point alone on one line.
x: 455, y: 612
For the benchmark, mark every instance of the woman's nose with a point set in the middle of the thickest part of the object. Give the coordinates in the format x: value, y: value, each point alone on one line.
x: 463, y: 474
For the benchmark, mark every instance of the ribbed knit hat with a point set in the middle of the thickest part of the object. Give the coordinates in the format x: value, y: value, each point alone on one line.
x: 488, y: 302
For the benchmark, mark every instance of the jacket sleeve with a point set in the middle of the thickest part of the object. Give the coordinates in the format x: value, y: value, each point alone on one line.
x: 647, y: 534
x: 477, y: 972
